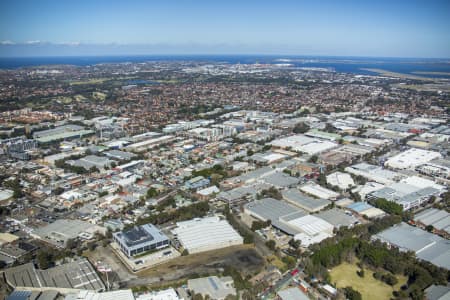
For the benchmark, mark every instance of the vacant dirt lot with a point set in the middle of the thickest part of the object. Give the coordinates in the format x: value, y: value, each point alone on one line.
x: 243, y: 257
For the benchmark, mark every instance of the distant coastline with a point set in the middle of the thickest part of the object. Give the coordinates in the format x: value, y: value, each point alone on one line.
x: 426, y: 68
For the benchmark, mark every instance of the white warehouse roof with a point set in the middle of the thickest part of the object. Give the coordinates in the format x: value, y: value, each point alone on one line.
x: 421, y: 182
x: 206, y: 234
x: 318, y: 191
x: 312, y: 225
x: 303, y: 143
x: 412, y: 158
x: 341, y: 180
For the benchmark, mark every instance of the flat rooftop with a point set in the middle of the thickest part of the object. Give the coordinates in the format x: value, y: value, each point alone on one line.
x: 425, y: 245
x: 140, y: 235
x: 75, y: 275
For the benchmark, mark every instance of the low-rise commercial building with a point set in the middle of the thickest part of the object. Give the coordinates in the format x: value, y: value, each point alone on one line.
x: 141, y: 239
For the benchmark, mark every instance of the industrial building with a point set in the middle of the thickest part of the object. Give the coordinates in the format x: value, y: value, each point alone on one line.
x: 427, y: 246
x: 293, y: 293
x: 206, y: 234
x: 167, y: 294
x: 340, y: 180
x: 110, y: 295
x: 437, y: 292
x: 436, y: 168
x: 120, y: 155
x: 141, y: 239
x: 278, y: 212
x: 408, y: 196
x: 61, y: 133
x: 438, y: 219
x: 77, y: 275
x: 315, y: 133
x: 295, y: 197
x: 150, y: 143
x: 242, y: 192
x: 411, y: 158
x: 267, y: 158
x: 91, y: 161
x: 302, y: 143
x: 318, y: 191
x: 33, y: 295
x: 252, y: 176
x: 421, y: 183
x: 365, y: 209
x: 62, y: 230
x: 281, y: 180
x: 337, y: 217
x: 367, y: 188
x: 311, y: 229
x: 214, y: 287
x: 374, y: 173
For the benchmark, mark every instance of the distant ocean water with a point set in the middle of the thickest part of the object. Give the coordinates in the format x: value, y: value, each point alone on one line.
x: 353, y: 65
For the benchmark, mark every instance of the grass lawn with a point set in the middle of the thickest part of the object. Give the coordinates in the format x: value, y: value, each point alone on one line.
x: 99, y: 96
x: 89, y: 81
x: 370, y: 288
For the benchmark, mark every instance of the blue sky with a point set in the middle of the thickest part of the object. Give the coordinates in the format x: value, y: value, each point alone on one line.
x: 396, y: 28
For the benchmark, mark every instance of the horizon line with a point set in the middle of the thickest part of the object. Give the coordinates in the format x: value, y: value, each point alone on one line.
x: 225, y: 54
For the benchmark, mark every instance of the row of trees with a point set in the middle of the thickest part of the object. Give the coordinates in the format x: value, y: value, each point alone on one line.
x: 388, y: 206
x: 196, y: 210
x: 243, y: 231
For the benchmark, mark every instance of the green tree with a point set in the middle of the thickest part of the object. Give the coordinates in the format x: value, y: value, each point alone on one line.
x: 313, y: 159
x: 388, y: 206
x: 352, y: 294
x: 152, y: 192
x: 271, y: 244
x: 43, y: 259
x: 197, y: 297
x: 429, y: 228
x: 301, y: 128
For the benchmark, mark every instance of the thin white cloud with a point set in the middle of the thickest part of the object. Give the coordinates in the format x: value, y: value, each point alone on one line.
x: 7, y: 42
x: 33, y: 42
x: 68, y: 43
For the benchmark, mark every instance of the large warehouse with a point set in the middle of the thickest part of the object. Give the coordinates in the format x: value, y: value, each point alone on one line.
x: 278, y: 212
x: 140, y: 239
x: 77, y: 275
x: 302, y: 143
x: 303, y: 201
x: 427, y: 246
x: 206, y: 234
x: 411, y: 158
x: 63, y: 230
x: 312, y: 229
